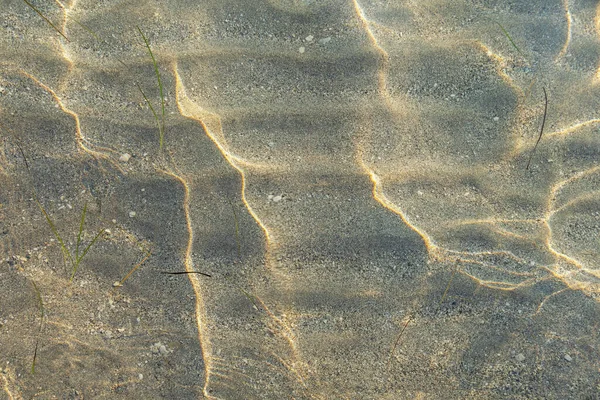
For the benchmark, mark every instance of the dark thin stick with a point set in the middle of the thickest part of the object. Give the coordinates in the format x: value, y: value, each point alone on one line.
x: 185, y: 272
x: 541, y: 130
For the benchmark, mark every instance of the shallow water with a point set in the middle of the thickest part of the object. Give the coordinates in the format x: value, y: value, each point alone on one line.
x: 351, y: 175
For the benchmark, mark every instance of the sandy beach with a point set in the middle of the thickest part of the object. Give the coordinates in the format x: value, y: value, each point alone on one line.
x: 300, y: 199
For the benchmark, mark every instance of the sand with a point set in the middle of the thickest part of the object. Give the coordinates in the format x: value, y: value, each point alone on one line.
x: 348, y: 176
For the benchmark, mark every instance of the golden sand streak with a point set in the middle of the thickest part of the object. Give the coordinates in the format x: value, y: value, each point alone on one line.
x: 203, y: 337
x: 504, y: 286
x: 8, y: 377
x: 556, y: 188
x: 387, y: 204
x: 539, y: 308
x: 500, y: 63
x: 594, y: 195
x: 78, y: 134
x: 188, y: 109
x: 377, y: 191
x: 383, y: 91
x: 573, y: 128
x: 382, y: 74
x: 63, y: 49
x: 559, y: 272
x: 569, y: 19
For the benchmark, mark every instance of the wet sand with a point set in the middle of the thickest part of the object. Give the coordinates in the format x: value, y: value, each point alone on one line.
x: 348, y: 176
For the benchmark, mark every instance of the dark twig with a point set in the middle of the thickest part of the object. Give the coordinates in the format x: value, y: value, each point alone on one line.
x: 185, y: 272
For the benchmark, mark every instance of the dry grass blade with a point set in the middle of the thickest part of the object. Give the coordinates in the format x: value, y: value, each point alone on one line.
x: 389, y: 361
x: 42, y: 315
x: 119, y: 284
x: 46, y: 19
x: 541, y: 130
x: 411, y: 317
x: 237, y: 229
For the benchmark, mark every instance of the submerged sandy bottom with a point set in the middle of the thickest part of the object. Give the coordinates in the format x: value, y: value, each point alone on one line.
x: 351, y: 175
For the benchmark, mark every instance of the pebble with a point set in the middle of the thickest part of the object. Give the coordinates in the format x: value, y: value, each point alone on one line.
x: 277, y: 199
x: 325, y: 40
x: 301, y: 49
x: 496, y: 119
x: 309, y: 38
x: 568, y: 358
x: 520, y: 357
x: 125, y: 157
x: 131, y: 214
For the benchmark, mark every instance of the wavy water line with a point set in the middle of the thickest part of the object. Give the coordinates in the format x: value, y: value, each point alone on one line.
x: 200, y: 310
x: 189, y: 109
x: 568, y: 35
x: 446, y: 254
x: 79, y: 137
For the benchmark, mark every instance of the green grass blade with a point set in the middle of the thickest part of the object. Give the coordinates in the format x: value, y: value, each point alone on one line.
x: 149, y: 105
x: 160, y: 87
x: 88, y: 30
x: 80, y: 231
x: 510, y: 39
x: 46, y: 19
x: 66, y: 253
x: 78, y: 260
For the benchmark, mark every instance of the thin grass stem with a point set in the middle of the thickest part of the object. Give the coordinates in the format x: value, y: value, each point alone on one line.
x: 161, y: 128
x: 46, y: 19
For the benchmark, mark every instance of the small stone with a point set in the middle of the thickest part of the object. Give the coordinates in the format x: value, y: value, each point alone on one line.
x: 163, y: 349
x: 309, y: 38
x: 496, y: 119
x: 141, y: 376
x: 568, y: 358
x: 125, y: 157
x: 302, y: 49
x: 131, y: 214
x: 520, y: 357
x: 325, y: 40
x: 277, y: 199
